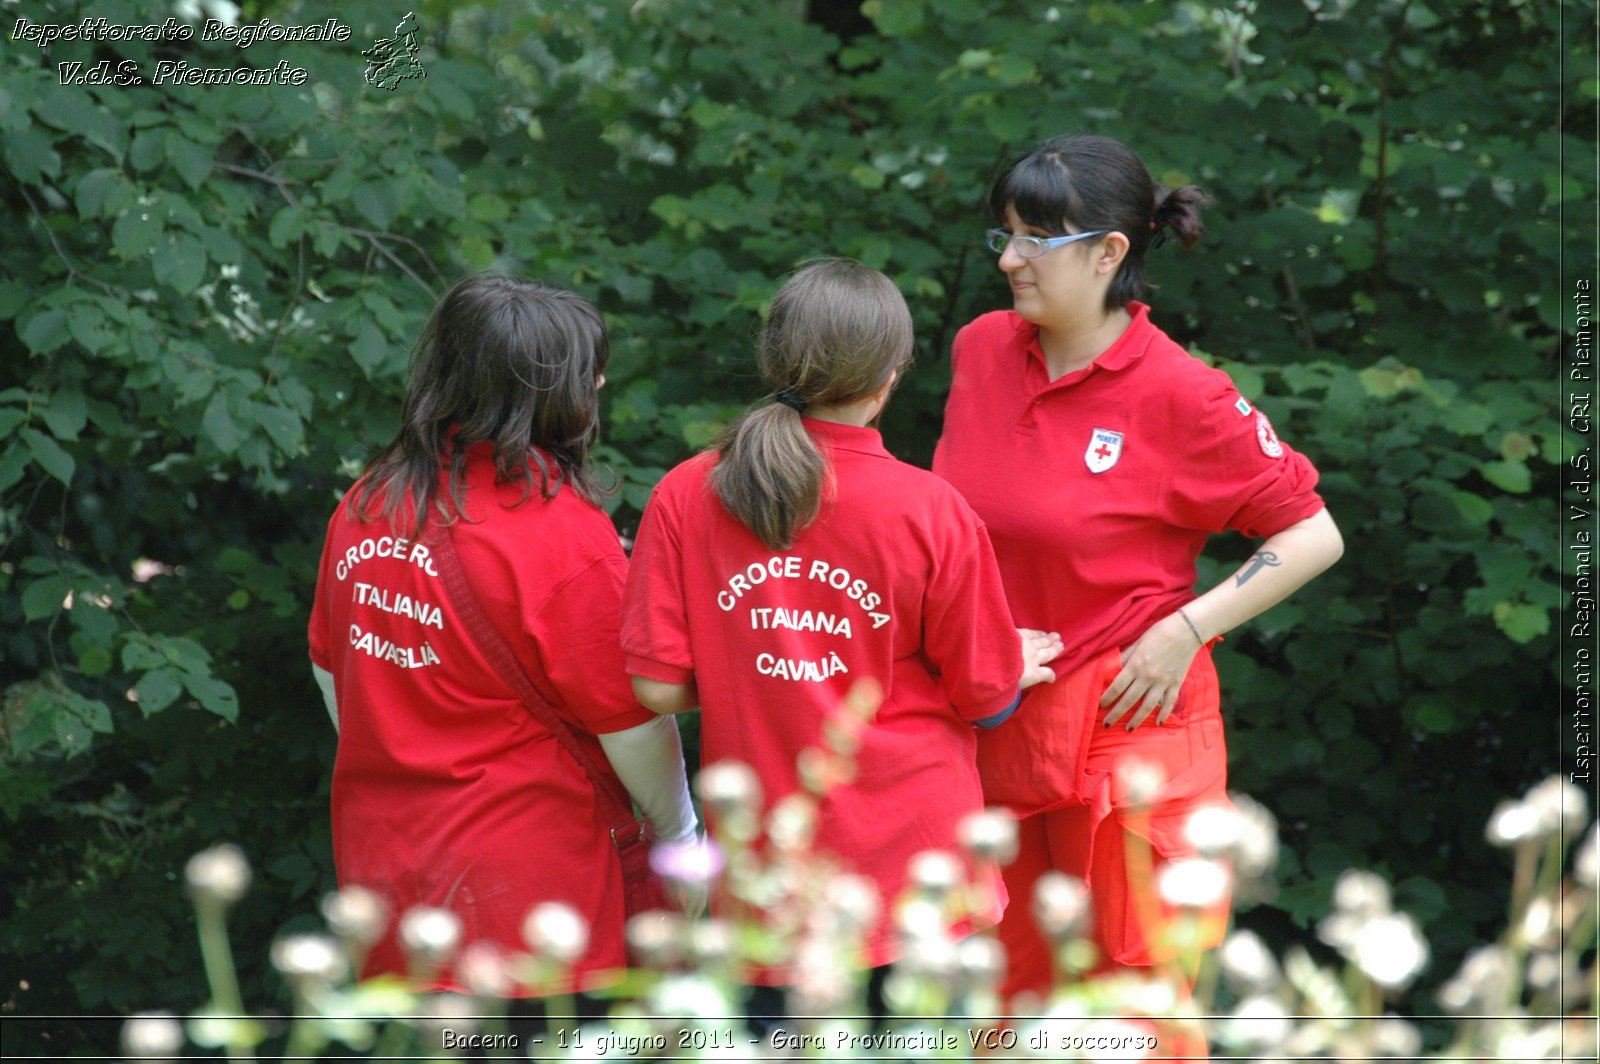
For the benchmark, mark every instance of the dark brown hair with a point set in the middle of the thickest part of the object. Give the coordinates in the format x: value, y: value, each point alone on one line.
x: 1096, y: 183
x: 836, y: 333
x: 505, y: 360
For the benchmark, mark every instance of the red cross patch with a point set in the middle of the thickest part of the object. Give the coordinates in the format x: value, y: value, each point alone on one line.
x: 1105, y: 447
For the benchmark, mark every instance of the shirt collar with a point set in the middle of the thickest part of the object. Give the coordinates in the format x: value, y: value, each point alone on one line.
x: 839, y: 437
x: 1123, y: 352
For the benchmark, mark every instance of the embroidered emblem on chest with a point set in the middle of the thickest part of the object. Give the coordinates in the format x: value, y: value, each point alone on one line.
x: 1105, y: 447
x: 1266, y: 437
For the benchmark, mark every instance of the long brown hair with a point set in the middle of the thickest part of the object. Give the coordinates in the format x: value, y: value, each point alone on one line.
x: 836, y: 333
x: 501, y: 359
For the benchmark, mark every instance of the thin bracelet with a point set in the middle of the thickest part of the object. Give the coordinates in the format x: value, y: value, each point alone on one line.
x: 1192, y: 628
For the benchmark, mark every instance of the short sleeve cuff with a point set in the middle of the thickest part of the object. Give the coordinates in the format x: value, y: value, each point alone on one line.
x: 660, y: 671
x: 630, y: 718
x: 1292, y: 512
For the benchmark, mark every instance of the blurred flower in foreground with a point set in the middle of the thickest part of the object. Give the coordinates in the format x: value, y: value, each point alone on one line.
x: 483, y: 970
x: 309, y: 959
x: 1387, y: 946
x: 152, y: 1036
x: 555, y: 931
x: 218, y: 876
x: 1061, y: 906
x: 356, y: 915
x: 1214, y: 830
x: 990, y: 835
x: 1138, y: 783
x: 1192, y: 883
x: 430, y: 936
x: 1481, y: 985
x: 935, y: 874
x: 696, y: 861
x: 1247, y: 965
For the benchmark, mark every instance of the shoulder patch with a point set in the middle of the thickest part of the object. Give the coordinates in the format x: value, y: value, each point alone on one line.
x: 1266, y: 437
x: 1243, y: 408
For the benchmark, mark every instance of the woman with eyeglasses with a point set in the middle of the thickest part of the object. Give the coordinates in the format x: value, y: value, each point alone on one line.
x: 1101, y: 455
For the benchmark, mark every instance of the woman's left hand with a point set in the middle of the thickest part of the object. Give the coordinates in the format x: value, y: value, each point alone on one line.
x: 1152, y: 673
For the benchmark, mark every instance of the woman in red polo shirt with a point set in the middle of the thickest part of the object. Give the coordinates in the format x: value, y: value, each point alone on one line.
x: 800, y: 557
x: 447, y: 791
x: 1101, y: 455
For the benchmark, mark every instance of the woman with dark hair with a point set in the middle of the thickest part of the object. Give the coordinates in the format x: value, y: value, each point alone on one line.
x: 447, y: 791
x: 799, y: 558
x: 1101, y: 455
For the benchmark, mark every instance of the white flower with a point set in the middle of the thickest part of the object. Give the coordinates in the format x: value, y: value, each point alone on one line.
x: 1389, y: 949
x: 1518, y: 822
x: 853, y: 901
x: 1214, y: 830
x: 1361, y: 894
x: 792, y: 822
x: 555, y: 930
x: 710, y: 942
x: 1137, y: 782
x: 152, y: 1036
x: 219, y: 875
x: 1192, y: 883
x: 1540, y: 928
x: 694, y: 862
x: 1258, y: 1023
x: 729, y: 787
x: 919, y: 917
x: 1061, y: 905
x: 935, y: 873
x: 1482, y: 983
x: 656, y: 938
x: 1394, y: 1038
x: 482, y: 967
x: 429, y: 935
x: 981, y: 961
x: 355, y: 914
x: 309, y: 957
x: 1256, y: 853
x: 690, y: 996
x: 989, y: 835
x: 1557, y: 800
x: 1247, y: 964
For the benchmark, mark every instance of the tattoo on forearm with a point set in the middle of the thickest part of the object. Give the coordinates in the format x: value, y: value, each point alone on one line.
x: 1261, y: 559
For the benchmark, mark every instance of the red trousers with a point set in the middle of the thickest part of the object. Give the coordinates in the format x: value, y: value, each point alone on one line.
x: 1074, y: 820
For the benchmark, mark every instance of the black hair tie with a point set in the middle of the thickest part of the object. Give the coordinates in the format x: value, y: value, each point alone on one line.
x: 790, y: 400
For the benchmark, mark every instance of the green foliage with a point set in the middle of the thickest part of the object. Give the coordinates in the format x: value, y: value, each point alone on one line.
x: 210, y: 293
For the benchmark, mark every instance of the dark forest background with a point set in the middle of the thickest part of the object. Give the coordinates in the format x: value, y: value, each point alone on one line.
x: 208, y: 295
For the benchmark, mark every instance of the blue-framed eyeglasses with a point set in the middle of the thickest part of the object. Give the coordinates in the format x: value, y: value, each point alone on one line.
x: 1031, y: 247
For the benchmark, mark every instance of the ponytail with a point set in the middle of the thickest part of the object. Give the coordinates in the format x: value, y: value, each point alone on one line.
x: 837, y: 333
x: 1178, y: 211
x: 769, y: 474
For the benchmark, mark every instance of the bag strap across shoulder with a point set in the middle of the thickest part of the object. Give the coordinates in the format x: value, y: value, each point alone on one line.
x: 508, y: 668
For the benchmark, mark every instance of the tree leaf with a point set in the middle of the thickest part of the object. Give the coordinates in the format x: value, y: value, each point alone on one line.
x: 216, y: 696
x: 158, y: 689
x: 44, y: 597
x: 219, y: 426
x: 50, y: 455
x: 45, y: 331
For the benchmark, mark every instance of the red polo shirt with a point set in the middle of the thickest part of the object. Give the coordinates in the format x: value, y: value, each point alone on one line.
x: 446, y: 791
x: 1100, y: 488
x: 895, y: 581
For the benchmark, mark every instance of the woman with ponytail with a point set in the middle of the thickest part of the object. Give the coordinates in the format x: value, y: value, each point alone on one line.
x: 1101, y: 455
x: 798, y: 559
